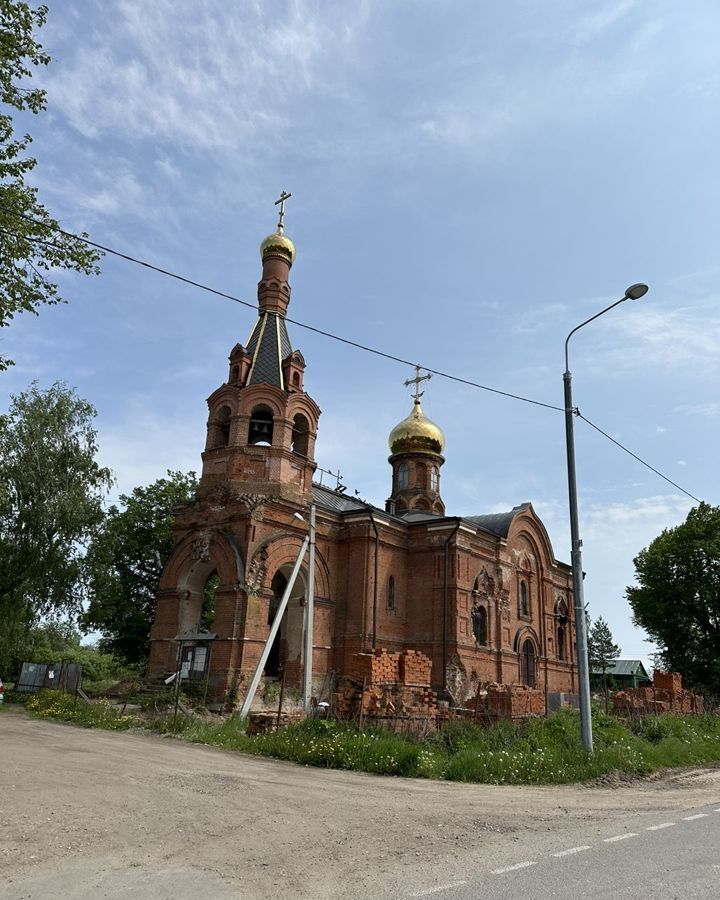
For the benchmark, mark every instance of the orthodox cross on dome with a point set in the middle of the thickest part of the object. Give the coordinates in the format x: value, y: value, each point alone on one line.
x: 417, y: 381
x: 281, y: 200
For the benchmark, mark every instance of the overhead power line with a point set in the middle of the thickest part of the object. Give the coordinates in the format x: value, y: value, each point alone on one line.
x: 328, y: 334
x: 635, y: 456
x: 313, y: 328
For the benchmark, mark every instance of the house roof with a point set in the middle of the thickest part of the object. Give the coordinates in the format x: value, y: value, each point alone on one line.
x: 496, y: 523
x: 624, y: 667
x: 336, y: 501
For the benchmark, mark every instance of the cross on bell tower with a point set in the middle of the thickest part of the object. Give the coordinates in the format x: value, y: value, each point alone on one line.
x: 417, y: 381
x: 281, y: 201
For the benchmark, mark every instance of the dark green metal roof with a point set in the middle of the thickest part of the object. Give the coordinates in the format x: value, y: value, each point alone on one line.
x: 625, y: 667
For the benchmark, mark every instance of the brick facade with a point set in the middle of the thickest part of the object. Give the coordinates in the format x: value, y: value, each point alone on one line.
x: 482, y: 597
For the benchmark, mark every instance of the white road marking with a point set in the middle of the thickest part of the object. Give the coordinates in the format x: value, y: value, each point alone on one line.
x: 620, y: 837
x: 717, y: 810
x: 658, y: 827
x: 571, y: 850
x: 696, y: 816
x: 443, y: 887
x: 521, y: 865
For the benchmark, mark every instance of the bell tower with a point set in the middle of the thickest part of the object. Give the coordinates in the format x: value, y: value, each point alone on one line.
x: 262, y: 425
x: 416, y: 446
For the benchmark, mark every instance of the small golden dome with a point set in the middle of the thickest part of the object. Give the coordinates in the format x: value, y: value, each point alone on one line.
x: 416, y: 433
x: 278, y: 243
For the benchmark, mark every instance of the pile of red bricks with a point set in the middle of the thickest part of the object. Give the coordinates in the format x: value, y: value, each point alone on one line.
x: 263, y: 722
x: 666, y: 695
x: 507, y: 701
x: 386, y: 685
x: 379, y: 667
x: 415, y: 667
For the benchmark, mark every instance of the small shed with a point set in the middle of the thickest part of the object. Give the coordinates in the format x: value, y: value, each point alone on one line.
x: 625, y: 673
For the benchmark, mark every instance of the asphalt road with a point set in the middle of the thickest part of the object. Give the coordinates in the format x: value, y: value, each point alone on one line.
x: 93, y: 814
x: 670, y: 860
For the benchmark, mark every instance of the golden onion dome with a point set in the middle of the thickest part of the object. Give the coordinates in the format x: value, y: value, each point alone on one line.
x: 278, y: 243
x: 416, y: 433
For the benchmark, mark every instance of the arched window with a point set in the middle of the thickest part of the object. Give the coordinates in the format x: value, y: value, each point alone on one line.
x: 391, y: 594
x: 235, y: 373
x: 479, y: 624
x: 421, y: 475
x: 300, y: 433
x: 527, y: 664
x: 562, y: 619
x: 296, y: 379
x: 434, y: 479
x: 402, y: 476
x: 524, y: 599
x: 561, y: 646
x: 261, y: 426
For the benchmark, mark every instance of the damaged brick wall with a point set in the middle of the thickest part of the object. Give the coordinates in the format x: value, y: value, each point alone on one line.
x: 666, y: 695
x: 506, y: 701
x: 383, y: 684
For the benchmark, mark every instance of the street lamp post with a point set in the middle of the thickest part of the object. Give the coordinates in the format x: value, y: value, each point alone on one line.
x: 634, y: 292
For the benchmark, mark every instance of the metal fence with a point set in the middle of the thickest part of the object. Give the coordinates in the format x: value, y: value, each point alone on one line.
x: 61, y: 676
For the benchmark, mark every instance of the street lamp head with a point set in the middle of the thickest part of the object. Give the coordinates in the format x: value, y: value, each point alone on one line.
x: 636, y: 291
x: 299, y: 517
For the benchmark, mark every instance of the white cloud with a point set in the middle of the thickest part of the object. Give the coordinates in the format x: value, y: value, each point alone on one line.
x: 682, y: 339
x: 228, y: 80
x: 538, y: 318
x: 709, y: 410
x: 601, y: 19
x: 142, y: 447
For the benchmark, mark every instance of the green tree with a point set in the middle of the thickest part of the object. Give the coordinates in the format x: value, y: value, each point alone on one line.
x: 51, y: 492
x: 677, y: 597
x: 125, y: 560
x: 602, y: 650
x: 31, y: 241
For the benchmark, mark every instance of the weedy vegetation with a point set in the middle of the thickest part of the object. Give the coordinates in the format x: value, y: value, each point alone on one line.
x: 539, y: 751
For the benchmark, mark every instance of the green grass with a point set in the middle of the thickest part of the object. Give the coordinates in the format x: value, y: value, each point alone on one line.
x: 68, y: 708
x: 540, y: 751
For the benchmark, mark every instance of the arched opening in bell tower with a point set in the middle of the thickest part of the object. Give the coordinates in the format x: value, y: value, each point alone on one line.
x: 260, y: 431
x: 300, y: 435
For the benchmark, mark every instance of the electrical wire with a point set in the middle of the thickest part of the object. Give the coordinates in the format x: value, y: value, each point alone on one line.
x: 635, y: 456
x: 313, y: 328
x: 328, y: 334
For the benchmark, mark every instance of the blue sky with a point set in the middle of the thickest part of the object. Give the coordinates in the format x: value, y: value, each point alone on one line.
x: 469, y: 180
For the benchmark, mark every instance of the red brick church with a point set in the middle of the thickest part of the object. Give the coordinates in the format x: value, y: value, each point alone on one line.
x: 482, y: 596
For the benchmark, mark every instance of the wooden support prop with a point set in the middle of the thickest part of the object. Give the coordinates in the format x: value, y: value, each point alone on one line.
x: 250, y: 696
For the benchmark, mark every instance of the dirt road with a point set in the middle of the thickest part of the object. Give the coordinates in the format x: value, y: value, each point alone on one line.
x: 101, y: 814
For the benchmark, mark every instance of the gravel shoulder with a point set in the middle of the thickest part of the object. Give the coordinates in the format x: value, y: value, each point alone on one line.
x: 106, y: 814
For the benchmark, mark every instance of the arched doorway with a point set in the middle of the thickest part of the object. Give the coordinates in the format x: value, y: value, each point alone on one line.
x: 286, y: 649
x: 527, y: 663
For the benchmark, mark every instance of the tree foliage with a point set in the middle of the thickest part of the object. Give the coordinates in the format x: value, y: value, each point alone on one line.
x: 677, y: 596
x: 31, y: 241
x: 51, y: 492
x: 125, y: 560
x: 54, y: 642
x: 602, y: 650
